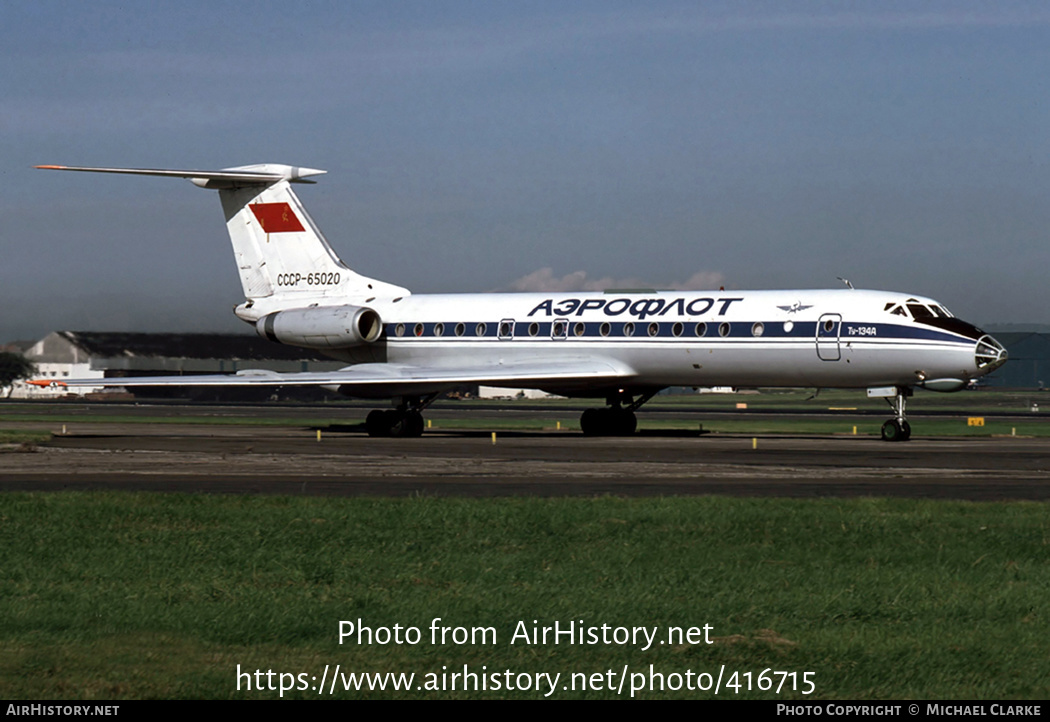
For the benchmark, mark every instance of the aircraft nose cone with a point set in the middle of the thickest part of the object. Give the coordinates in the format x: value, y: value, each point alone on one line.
x: 989, y: 354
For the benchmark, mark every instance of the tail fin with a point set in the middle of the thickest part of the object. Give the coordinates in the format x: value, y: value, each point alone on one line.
x: 281, y: 255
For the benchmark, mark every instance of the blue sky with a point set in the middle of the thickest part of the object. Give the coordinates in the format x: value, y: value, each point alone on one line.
x: 477, y: 146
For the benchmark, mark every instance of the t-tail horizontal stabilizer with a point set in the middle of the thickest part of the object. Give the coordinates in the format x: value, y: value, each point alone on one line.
x: 261, y: 174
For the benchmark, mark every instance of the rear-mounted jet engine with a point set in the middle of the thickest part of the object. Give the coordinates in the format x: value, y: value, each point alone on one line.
x: 325, y: 327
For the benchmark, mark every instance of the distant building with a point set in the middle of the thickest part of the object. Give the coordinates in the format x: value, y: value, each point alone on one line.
x: 79, y: 354
x: 497, y: 392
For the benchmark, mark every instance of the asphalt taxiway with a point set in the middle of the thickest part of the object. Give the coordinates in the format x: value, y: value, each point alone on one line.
x: 345, y: 462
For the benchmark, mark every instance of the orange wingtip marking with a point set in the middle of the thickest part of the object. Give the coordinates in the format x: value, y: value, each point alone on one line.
x: 45, y: 382
x: 51, y: 167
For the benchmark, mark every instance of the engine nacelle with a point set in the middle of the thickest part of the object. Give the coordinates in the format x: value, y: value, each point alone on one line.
x: 322, y: 327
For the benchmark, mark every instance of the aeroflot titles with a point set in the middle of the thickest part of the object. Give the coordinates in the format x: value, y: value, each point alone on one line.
x: 641, y: 308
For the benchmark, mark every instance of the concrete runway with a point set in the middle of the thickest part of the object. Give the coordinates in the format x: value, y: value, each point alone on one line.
x: 290, y: 460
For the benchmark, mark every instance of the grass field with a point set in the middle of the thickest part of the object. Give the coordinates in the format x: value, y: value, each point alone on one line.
x: 112, y: 595
x: 8, y: 436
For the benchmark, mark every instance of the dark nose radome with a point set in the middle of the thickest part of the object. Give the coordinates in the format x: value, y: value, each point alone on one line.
x: 989, y: 354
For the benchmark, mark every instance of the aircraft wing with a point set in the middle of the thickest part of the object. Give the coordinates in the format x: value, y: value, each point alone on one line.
x: 396, y: 379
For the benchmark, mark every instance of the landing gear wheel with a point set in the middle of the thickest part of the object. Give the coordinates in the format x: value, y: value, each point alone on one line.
x: 375, y: 423
x: 405, y: 424
x: 624, y: 422
x: 416, y: 422
x: 591, y: 422
x: 896, y: 430
x: 396, y: 423
x: 610, y: 421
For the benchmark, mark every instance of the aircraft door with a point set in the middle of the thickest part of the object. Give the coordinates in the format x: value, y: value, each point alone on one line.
x: 828, y: 329
x: 506, y: 329
x: 560, y: 329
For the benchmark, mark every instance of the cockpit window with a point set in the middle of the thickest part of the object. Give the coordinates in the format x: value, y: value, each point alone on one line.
x: 920, y: 312
x: 923, y: 311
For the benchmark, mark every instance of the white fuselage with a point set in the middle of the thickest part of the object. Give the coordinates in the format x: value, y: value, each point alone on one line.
x: 826, y: 338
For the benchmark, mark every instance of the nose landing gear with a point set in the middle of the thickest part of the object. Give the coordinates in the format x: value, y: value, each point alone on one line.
x: 898, y: 428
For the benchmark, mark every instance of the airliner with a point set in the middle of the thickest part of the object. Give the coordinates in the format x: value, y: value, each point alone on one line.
x: 620, y: 346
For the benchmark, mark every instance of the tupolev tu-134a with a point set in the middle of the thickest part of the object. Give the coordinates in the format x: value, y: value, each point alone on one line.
x: 622, y: 347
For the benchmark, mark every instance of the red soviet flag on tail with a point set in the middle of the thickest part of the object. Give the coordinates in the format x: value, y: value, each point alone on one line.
x: 276, y: 217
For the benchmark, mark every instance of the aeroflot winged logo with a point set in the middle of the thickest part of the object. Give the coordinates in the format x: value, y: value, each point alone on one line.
x: 276, y: 218
x: 794, y: 308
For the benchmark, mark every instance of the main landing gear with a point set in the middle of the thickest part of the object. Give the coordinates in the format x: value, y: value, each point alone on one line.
x: 402, y: 422
x: 615, y: 419
x: 897, y: 428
